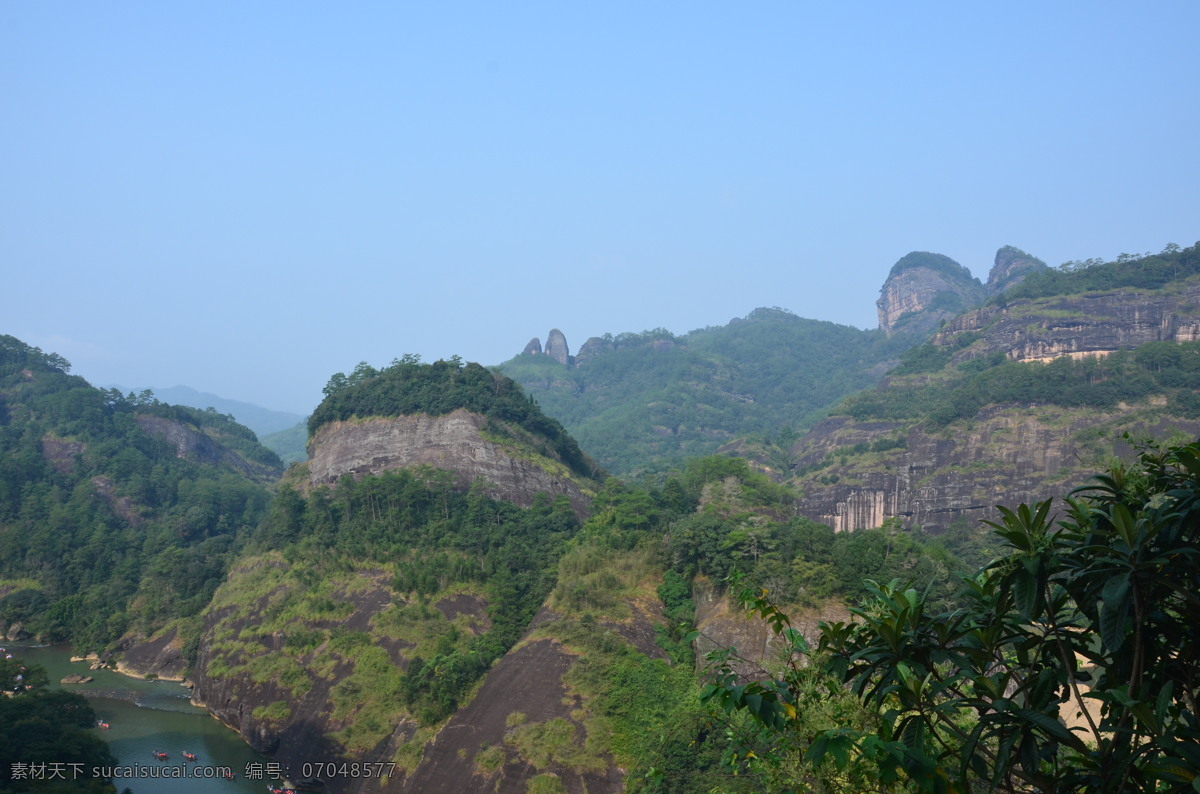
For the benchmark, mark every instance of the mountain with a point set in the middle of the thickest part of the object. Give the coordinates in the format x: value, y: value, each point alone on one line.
x: 118, y: 514
x: 1015, y: 401
x: 263, y: 421
x: 290, y: 444
x: 646, y: 402
x: 405, y: 557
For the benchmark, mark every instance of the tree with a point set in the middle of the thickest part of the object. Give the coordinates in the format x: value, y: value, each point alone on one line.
x: 1073, y: 666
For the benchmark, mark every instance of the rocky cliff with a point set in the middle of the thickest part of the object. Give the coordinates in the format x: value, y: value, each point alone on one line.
x: 459, y: 442
x: 856, y: 473
x: 1005, y: 456
x: 1096, y: 323
x: 1010, y: 268
x: 190, y: 443
x: 923, y: 289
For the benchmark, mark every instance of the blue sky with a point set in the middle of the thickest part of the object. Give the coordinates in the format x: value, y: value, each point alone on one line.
x: 247, y: 197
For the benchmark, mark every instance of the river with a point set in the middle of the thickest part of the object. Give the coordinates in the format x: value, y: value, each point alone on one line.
x: 149, y: 716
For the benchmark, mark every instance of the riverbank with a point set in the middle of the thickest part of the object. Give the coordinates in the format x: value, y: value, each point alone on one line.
x: 149, y: 716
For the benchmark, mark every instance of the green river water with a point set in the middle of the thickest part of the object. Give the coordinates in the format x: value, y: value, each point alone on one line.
x: 149, y: 716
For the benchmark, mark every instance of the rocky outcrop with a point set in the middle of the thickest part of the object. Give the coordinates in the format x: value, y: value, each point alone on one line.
x: 192, y: 444
x: 161, y: 657
x: 534, y: 348
x: 229, y: 675
x: 1095, y: 323
x: 556, y: 347
x: 455, y: 442
x: 593, y: 347
x: 525, y: 687
x: 123, y: 506
x: 1008, y: 455
x: 922, y: 290
x: 61, y: 453
x: 723, y: 623
x: 1011, y: 267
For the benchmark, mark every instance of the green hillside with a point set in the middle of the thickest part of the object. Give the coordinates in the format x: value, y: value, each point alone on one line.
x: 107, y: 522
x: 649, y: 401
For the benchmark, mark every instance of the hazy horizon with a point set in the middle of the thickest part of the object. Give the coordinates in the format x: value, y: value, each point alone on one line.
x: 247, y: 199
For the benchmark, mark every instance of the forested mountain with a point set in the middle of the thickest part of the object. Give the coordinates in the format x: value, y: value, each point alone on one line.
x: 263, y: 421
x: 449, y: 587
x: 1017, y: 400
x: 645, y: 402
x: 117, y: 513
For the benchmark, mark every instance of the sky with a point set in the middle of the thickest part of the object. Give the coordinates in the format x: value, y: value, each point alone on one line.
x: 246, y: 198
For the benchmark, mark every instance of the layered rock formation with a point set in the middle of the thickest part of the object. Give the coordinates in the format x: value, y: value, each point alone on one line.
x: 922, y: 289
x: 1010, y: 455
x: 1010, y: 268
x: 1096, y: 323
x: 456, y: 442
x: 1007, y: 454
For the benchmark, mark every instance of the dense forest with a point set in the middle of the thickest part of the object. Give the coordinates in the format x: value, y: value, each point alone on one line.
x: 104, y: 528
x: 651, y: 400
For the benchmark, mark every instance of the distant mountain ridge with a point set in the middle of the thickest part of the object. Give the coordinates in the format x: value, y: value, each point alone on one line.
x: 641, y: 402
x: 263, y: 421
x: 1015, y: 401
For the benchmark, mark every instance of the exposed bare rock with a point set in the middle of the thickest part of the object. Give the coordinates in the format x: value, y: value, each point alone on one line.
x: 61, y: 453
x: 191, y: 444
x: 922, y: 290
x: 237, y: 697
x: 1010, y: 454
x: 1011, y: 267
x: 160, y: 656
x: 528, y: 682
x: 592, y: 348
x: 534, y: 347
x: 123, y: 506
x: 724, y: 624
x: 1096, y: 323
x: 454, y: 442
x: 556, y: 347
x: 1007, y: 454
x: 76, y: 678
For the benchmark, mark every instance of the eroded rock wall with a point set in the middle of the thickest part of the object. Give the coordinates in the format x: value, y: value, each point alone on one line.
x: 454, y: 442
x: 1009, y: 455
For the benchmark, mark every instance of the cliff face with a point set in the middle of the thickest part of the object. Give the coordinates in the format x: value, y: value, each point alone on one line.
x: 456, y: 442
x: 1011, y: 267
x: 1009, y: 455
x: 922, y: 290
x: 856, y: 474
x: 192, y: 444
x: 1091, y: 324
x: 556, y: 347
